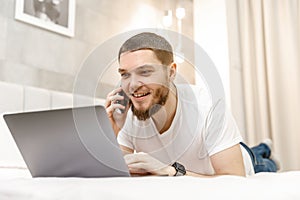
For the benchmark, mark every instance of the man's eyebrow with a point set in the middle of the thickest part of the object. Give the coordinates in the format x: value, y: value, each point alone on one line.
x: 145, y: 66
x: 121, y: 70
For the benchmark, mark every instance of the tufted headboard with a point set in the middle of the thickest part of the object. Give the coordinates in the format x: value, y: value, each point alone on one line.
x: 18, y: 98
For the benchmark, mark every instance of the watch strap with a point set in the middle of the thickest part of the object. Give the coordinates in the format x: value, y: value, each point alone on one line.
x: 180, y: 169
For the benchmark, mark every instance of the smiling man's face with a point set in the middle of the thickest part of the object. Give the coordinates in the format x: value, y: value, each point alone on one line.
x: 145, y: 80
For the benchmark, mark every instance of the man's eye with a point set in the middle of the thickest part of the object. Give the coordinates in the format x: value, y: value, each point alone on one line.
x: 125, y: 75
x: 146, y: 72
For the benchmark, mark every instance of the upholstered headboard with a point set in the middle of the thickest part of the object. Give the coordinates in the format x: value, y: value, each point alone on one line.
x: 18, y: 98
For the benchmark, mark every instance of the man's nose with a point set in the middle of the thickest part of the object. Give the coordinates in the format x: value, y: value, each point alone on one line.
x: 135, y: 83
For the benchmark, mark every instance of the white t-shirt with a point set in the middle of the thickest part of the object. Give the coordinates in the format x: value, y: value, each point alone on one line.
x: 198, y: 131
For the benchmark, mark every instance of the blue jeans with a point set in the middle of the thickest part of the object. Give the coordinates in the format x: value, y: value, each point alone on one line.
x: 260, y: 156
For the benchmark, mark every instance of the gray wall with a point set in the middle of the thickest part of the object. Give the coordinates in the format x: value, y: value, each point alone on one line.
x: 36, y: 57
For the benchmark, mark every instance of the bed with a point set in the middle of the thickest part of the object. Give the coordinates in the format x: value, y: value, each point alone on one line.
x: 17, y: 183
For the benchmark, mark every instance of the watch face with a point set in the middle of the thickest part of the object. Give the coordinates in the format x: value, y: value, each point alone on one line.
x: 181, y: 168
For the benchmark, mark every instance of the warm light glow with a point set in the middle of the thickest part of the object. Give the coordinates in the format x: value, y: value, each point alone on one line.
x: 142, y: 18
x: 55, y: 2
x: 180, y: 13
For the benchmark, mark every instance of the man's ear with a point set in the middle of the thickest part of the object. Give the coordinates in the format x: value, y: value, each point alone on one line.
x: 172, y: 74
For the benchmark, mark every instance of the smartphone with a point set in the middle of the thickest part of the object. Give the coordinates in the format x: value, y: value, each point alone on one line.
x: 124, y: 101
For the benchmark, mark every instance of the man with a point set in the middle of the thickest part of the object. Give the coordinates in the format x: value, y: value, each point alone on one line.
x: 169, y: 129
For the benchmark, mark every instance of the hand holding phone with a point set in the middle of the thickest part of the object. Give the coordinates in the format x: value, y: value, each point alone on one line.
x: 123, y: 102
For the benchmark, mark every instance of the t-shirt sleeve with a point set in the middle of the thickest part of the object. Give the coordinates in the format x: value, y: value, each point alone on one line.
x: 124, y: 139
x: 221, y: 131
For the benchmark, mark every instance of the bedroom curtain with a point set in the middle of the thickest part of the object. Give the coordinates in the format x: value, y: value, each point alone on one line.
x: 264, y: 48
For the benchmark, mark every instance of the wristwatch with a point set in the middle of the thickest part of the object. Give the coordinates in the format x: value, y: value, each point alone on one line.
x: 180, y: 169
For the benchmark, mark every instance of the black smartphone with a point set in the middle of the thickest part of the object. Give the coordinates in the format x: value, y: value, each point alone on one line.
x: 124, y: 101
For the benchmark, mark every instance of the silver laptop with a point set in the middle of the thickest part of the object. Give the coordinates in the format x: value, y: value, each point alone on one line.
x: 74, y: 142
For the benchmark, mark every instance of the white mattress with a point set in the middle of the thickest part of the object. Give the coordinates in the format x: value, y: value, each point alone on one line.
x: 16, y: 183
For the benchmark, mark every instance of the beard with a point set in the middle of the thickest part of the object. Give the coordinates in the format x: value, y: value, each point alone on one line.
x: 162, y: 95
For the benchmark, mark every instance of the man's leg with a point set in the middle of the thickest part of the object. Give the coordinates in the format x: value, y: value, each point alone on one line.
x: 260, y: 156
x: 263, y: 163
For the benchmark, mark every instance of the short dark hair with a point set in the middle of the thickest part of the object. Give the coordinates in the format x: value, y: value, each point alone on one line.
x: 147, y: 40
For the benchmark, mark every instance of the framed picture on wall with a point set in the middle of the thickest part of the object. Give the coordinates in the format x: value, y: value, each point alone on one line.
x: 54, y: 15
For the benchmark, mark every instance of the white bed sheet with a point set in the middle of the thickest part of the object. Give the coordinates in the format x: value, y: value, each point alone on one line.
x: 16, y: 183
